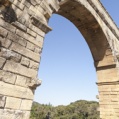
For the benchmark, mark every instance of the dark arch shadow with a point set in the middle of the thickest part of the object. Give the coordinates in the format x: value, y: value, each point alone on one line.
x: 87, y: 24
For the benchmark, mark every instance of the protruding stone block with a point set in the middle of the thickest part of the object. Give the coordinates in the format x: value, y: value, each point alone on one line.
x: 2, y: 101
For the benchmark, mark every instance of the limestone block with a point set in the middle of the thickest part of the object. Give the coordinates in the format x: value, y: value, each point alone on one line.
x: 109, y: 74
x: 30, y: 46
x: 38, y: 50
x: 3, y: 32
x: 54, y: 4
x: 18, y: 4
x: 27, y: 37
x: 25, y: 52
x: 38, y: 14
x: 106, y: 61
x: 14, y: 37
x: 34, y: 65
x: 33, y: 2
x: 16, y: 91
x: 19, y: 69
x: 5, y: 42
x: 26, y: 3
x: 7, y: 114
x: 13, y: 103
x: 33, y: 83
x: 40, y: 9
x: 8, y: 54
x: 22, y: 42
x: 39, y: 38
x: 15, y: 114
x: 26, y: 104
x: 26, y: 115
x: 37, y: 30
x: 21, y: 81
x: 25, y: 61
x: 20, y: 26
x: 38, y: 22
x: 2, y: 62
x: 1, y: 112
x: 17, y: 10
x: 31, y: 32
x: 47, y: 8
x: 7, y: 26
x: 2, y: 101
x: 7, y: 77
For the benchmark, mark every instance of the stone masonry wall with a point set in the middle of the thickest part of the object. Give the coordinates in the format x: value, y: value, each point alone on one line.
x: 23, y: 25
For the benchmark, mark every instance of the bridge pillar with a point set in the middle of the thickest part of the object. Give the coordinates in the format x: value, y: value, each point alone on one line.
x: 22, y: 31
x: 108, y: 86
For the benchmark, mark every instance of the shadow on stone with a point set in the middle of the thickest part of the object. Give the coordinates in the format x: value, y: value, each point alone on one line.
x: 9, y: 14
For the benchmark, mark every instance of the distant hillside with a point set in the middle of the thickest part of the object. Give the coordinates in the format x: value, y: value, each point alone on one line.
x: 78, y: 110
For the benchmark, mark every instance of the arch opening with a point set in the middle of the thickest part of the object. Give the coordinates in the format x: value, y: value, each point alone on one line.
x: 95, y: 33
x: 67, y: 61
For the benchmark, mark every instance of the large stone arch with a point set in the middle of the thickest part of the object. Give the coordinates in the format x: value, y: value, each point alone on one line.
x: 23, y: 25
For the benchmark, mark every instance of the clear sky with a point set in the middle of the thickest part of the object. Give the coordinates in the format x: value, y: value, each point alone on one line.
x: 67, y: 70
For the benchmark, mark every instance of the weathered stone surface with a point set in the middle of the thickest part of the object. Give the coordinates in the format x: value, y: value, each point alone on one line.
x: 14, y: 37
x: 15, y: 91
x: 11, y: 114
x: 25, y: 61
x: 10, y: 55
x: 27, y: 4
x: 28, y: 37
x: 5, y: 42
x: 19, y: 69
x: 13, y: 103
x: 2, y: 62
x: 38, y: 50
x: 22, y: 42
x: 26, y: 105
x: 20, y: 26
x: 35, y: 29
x: 1, y: 112
x: 7, y: 26
x: 38, y: 23
x: 21, y: 81
x: 19, y: 4
x: 30, y: 46
x: 33, y: 83
x: 25, y: 52
x: 2, y: 101
x: 3, y: 32
x: 7, y: 77
x: 26, y: 115
x: 34, y: 65
x: 39, y: 38
x: 31, y: 32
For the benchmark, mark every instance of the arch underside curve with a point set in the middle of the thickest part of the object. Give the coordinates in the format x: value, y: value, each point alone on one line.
x: 88, y: 26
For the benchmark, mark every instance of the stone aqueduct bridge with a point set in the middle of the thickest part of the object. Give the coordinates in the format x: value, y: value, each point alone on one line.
x: 23, y: 25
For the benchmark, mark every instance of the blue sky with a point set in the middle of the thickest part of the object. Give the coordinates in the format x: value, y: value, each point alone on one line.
x: 66, y: 69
